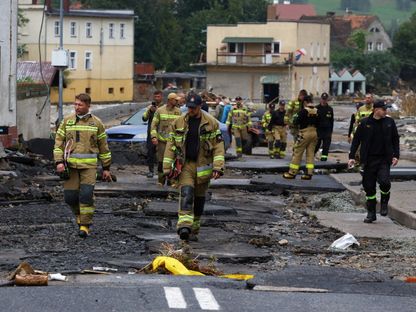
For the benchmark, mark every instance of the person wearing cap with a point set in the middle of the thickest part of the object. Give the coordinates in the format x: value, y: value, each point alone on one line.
x: 275, y: 130
x: 365, y: 110
x: 307, y: 121
x: 196, y: 142
x: 378, y: 139
x: 239, y: 120
x: 161, y: 122
x: 326, y: 126
x: 148, y: 117
x: 292, y: 110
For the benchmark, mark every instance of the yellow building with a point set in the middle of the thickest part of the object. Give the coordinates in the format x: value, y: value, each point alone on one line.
x: 100, y: 46
x: 265, y: 61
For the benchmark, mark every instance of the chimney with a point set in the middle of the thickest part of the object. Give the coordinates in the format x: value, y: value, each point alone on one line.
x: 330, y: 14
x: 271, y: 12
x: 66, y: 5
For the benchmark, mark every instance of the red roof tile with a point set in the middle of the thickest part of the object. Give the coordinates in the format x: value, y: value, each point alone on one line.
x: 290, y: 12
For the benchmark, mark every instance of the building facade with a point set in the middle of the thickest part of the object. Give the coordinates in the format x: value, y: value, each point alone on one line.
x: 8, y: 51
x: 267, y: 61
x: 100, y: 46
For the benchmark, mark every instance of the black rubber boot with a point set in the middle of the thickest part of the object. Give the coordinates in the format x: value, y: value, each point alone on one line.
x: 371, y: 211
x: 384, y: 204
x: 184, y: 233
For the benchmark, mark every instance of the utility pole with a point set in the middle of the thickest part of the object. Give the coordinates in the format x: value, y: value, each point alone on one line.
x: 61, y: 70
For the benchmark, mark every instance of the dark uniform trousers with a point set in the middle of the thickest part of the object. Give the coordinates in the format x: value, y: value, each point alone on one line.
x: 324, y: 139
x: 79, y: 193
x: 377, y: 169
x: 151, y: 153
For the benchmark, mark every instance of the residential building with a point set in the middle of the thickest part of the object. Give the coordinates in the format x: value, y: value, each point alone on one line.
x: 8, y: 51
x: 266, y: 61
x: 100, y: 46
x: 347, y: 82
x: 377, y: 39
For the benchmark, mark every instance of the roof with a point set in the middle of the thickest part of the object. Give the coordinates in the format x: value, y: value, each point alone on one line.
x: 29, y: 71
x: 346, y: 74
x: 290, y: 12
x: 357, y: 21
x: 96, y: 13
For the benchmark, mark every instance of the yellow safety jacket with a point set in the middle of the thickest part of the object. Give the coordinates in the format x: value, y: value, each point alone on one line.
x: 292, y: 110
x: 239, y: 117
x: 265, y: 121
x: 162, y: 119
x: 87, y: 142
x: 211, y: 146
x: 363, y: 112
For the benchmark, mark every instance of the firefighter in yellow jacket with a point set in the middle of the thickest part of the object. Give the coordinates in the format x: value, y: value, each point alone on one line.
x: 80, y: 142
x: 307, y: 121
x: 292, y: 110
x: 364, y: 111
x: 197, y: 146
x: 163, y: 118
x: 239, y: 119
x: 275, y: 129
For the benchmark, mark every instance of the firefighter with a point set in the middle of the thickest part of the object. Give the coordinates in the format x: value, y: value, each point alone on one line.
x: 195, y: 142
x: 275, y: 130
x: 326, y: 126
x: 80, y: 142
x: 378, y: 139
x: 161, y: 122
x: 365, y: 110
x: 307, y: 121
x: 239, y: 119
x: 292, y: 110
x: 148, y: 116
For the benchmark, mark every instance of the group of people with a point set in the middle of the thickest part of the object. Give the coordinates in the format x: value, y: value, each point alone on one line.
x: 190, y: 149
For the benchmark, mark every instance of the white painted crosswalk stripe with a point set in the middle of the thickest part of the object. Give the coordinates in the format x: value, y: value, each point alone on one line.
x: 206, y: 299
x: 175, y: 298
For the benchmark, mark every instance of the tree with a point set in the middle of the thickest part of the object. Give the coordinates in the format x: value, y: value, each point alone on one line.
x: 21, y: 22
x: 357, y: 40
x: 404, y: 47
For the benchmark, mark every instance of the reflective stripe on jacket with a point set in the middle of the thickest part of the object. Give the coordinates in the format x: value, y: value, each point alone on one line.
x: 239, y: 117
x: 163, y: 118
x: 89, y: 142
x: 211, y: 146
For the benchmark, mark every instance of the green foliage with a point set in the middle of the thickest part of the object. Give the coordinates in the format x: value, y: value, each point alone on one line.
x: 357, y: 40
x: 404, y: 47
x: 21, y: 22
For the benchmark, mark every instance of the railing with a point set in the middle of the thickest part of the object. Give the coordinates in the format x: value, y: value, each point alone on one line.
x: 254, y: 58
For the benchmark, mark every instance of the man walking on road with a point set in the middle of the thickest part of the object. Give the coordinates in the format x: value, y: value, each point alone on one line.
x: 164, y: 116
x: 80, y: 142
x: 326, y: 126
x: 378, y: 140
x: 148, y: 116
x: 197, y: 145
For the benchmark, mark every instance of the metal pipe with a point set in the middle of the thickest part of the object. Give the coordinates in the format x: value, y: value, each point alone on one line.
x: 61, y: 73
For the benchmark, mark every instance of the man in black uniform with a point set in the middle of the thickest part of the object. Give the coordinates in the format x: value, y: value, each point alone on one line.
x: 326, y: 126
x: 148, y: 116
x: 379, y: 140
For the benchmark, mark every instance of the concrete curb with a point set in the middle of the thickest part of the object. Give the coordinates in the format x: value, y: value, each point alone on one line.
x: 400, y: 206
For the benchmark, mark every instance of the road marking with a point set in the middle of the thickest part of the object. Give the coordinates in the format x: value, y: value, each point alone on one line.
x: 175, y: 298
x: 206, y: 299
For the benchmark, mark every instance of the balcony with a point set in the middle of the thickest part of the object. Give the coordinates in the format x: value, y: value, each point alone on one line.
x: 253, y: 59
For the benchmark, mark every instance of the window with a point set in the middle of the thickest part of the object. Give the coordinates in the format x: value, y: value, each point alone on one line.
x: 88, y: 30
x: 267, y: 48
x: 88, y: 60
x: 235, y: 47
x: 301, y: 83
x: 379, y: 46
x: 374, y: 29
x: 73, y: 29
x: 369, y: 46
x: 318, y: 85
x: 88, y: 90
x: 111, y: 90
x: 276, y: 47
x: 57, y: 29
x: 324, y: 51
x: 72, y: 60
x: 121, y: 90
x: 111, y: 31
x: 312, y: 51
x: 318, y: 50
x: 122, y: 31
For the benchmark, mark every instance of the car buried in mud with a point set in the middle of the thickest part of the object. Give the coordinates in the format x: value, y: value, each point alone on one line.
x: 133, y: 130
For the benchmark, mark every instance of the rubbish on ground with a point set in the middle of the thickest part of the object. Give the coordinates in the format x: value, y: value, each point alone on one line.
x: 57, y: 277
x: 172, y: 265
x: 105, y: 269
x: 283, y: 242
x: 25, y: 275
x: 242, y: 277
x: 410, y: 279
x: 344, y: 242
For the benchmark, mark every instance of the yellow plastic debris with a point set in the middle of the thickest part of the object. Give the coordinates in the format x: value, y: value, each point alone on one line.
x: 172, y: 265
x: 242, y: 277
